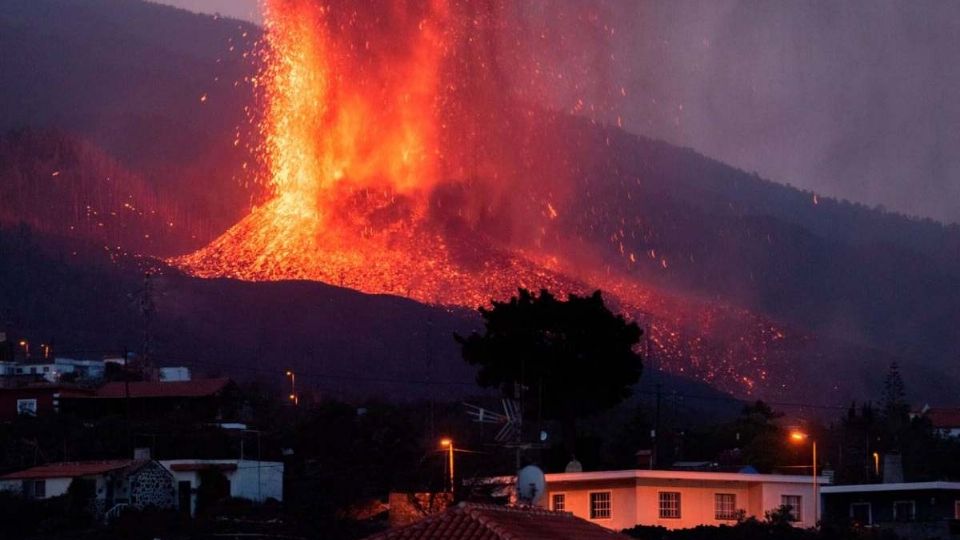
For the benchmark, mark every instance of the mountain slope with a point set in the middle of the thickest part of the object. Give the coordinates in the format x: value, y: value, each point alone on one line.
x: 732, y: 261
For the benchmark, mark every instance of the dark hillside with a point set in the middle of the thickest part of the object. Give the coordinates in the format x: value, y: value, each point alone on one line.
x: 161, y: 90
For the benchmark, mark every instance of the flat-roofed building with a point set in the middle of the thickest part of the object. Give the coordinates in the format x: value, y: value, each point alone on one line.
x: 678, y: 499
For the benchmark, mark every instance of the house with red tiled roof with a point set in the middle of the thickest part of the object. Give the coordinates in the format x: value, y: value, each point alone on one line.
x: 110, y: 484
x: 490, y: 522
x: 946, y: 420
x: 35, y: 399
x: 200, y: 399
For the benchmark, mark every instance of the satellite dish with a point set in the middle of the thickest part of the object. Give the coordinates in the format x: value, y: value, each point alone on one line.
x: 531, y: 485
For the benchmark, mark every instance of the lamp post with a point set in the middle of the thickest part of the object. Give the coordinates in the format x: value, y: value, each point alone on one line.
x: 447, y: 443
x: 294, y: 398
x: 799, y: 437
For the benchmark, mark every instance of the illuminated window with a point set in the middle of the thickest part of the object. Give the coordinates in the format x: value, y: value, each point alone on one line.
x: 670, y: 505
x: 600, y: 505
x: 904, y: 510
x: 794, y: 504
x: 559, y: 502
x: 725, y: 506
x: 956, y: 509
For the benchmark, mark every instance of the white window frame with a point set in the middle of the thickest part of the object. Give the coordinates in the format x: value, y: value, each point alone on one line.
x: 869, y: 511
x: 718, y: 514
x: 553, y: 501
x: 669, y: 514
x: 596, y: 515
x: 913, y: 510
x: 796, y: 510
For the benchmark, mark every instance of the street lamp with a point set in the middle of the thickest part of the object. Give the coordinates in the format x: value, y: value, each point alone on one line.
x: 26, y: 348
x: 799, y: 437
x: 294, y: 398
x: 447, y: 443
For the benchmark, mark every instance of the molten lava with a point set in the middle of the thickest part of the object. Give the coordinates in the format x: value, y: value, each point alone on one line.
x: 398, y: 163
x: 356, y: 103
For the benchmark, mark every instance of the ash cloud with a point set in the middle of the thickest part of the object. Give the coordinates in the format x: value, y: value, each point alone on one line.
x: 855, y: 100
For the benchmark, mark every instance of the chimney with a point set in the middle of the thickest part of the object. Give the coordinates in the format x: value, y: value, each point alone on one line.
x: 141, y: 454
x: 892, y: 469
x: 644, y: 459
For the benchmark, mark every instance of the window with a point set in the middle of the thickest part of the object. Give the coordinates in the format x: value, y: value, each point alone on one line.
x: 862, y: 513
x: 558, y: 502
x: 956, y: 509
x: 669, y: 505
x: 725, y: 506
x: 600, y: 505
x: 27, y: 407
x: 35, y: 489
x: 904, y: 510
x: 795, y: 504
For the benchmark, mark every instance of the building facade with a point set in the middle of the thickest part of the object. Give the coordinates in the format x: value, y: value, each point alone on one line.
x: 910, y: 509
x: 678, y: 499
x: 257, y: 481
x: 112, y: 484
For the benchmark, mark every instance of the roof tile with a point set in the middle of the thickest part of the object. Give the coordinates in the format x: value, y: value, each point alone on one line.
x: 468, y: 521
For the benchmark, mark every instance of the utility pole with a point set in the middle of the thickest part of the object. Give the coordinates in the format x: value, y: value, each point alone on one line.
x: 656, y: 431
x: 126, y: 401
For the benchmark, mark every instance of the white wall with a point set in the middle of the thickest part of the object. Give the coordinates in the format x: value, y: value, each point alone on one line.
x: 257, y: 481
x: 636, y: 501
x: 54, y: 486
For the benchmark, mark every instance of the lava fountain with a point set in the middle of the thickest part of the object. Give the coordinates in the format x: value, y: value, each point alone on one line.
x: 398, y: 162
x: 357, y: 100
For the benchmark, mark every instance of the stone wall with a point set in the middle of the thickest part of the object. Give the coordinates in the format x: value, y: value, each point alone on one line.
x: 152, y: 485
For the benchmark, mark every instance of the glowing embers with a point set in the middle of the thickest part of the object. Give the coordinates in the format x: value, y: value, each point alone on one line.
x: 349, y: 131
x: 354, y: 107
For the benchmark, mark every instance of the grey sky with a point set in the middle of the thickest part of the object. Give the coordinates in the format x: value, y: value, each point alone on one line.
x: 238, y: 9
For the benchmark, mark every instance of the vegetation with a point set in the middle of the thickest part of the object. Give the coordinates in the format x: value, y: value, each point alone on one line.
x: 571, y: 358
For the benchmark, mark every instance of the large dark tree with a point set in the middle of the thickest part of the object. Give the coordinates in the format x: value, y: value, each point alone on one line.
x: 572, y: 358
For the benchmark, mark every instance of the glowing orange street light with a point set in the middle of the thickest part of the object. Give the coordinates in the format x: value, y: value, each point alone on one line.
x: 876, y: 463
x: 799, y: 437
x: 447, y: 443
x: 294, y: 398
x: 26, y: 347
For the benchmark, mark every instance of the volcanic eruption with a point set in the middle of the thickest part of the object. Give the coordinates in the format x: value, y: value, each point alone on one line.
x: 403, y: 157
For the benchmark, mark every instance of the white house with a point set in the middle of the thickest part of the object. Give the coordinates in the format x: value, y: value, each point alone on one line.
x: 53, y: 369
x: 678, y: 499
x: 113, y: 484
x: 257, y: 481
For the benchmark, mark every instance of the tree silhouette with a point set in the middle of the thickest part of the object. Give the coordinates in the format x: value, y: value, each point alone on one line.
x: 575, y: 357
x: 894, y: 408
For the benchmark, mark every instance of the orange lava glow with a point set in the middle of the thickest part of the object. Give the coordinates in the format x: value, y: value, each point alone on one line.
x: 351, y: 143
x: 364, y: 125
